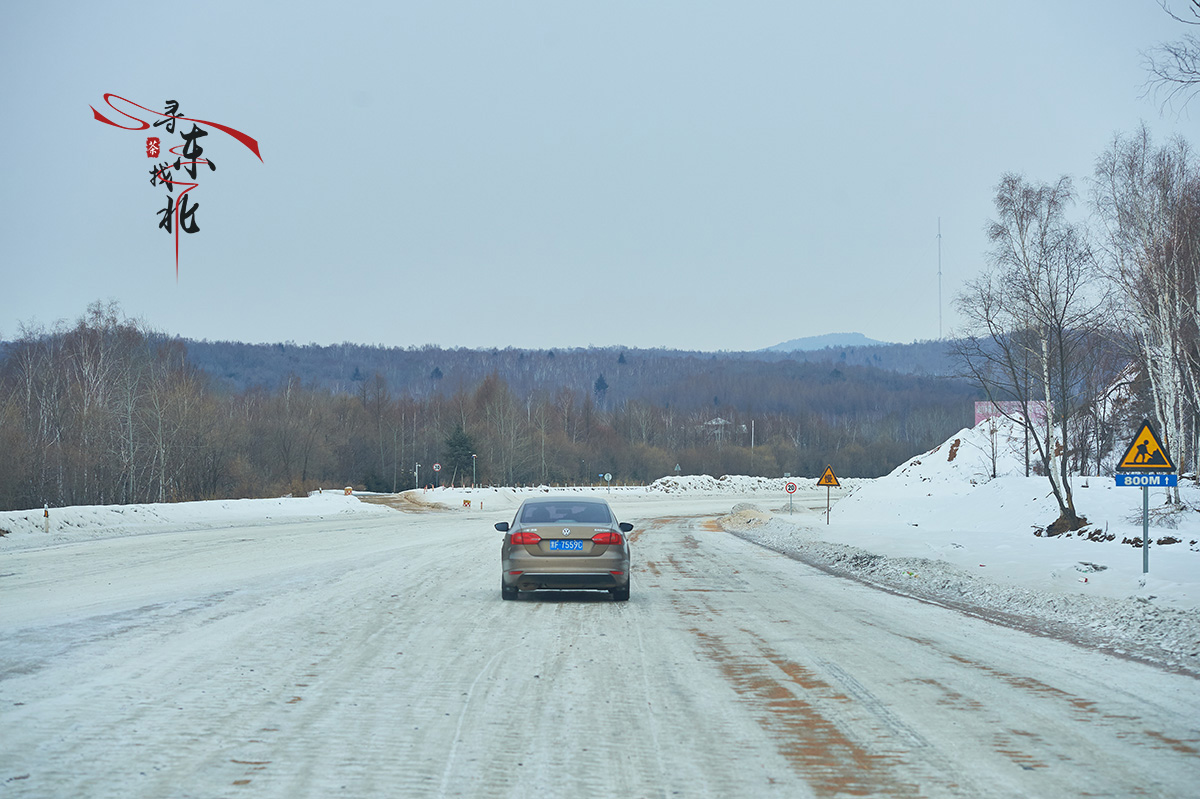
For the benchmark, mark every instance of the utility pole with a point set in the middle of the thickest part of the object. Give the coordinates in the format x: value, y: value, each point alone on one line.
x: 939, y: 238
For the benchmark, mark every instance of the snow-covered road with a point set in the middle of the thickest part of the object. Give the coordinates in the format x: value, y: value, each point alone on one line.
x: 372, y: 656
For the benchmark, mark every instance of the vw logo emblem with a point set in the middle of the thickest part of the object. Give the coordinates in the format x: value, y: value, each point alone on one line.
x: 566, y: 531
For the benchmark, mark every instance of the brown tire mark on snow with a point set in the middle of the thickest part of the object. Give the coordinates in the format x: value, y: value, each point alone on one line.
x: 1083, y: 709
x: 951, y: 698
x: 831, y: 731
x: 829, y: 761
x: 1174, y: 743
x: 681, y: 568
x: 1012, y: 743
x: 651, y: 524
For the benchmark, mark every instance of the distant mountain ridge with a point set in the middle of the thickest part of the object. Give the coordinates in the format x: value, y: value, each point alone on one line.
x: 811, y: 343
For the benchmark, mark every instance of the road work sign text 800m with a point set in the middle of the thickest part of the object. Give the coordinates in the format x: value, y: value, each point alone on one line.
x: 1151, y: 480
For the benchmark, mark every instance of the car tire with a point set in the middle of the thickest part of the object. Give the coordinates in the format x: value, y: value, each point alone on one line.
x: 620, y: 594
x: 506, y: 592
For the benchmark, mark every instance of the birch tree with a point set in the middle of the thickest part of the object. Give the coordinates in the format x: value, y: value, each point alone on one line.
x: 1030, y: 319
x: 1148, y: 199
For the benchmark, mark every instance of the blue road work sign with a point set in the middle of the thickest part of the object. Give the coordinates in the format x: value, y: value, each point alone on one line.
x: 1150, y: 480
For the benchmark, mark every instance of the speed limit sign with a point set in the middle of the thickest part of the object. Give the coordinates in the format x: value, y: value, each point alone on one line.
x: 791, y: 488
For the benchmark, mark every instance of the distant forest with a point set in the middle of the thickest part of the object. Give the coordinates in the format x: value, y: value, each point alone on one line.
x: 427, y: 370
x: 106, y: 411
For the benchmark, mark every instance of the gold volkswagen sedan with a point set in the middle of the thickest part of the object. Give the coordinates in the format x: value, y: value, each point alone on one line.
x: 565, y: 543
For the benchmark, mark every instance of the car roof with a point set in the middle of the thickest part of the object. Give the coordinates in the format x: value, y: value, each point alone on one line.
x: 556, y: 499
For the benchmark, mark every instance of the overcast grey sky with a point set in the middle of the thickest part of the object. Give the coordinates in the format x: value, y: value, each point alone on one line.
x: 696, y: 175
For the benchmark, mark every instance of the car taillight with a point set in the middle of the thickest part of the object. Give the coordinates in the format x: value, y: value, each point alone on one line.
x: 528, y: 539
x: 613, y: 539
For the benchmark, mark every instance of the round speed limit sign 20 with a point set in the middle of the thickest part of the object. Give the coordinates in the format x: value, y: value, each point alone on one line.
x: 791, y: 488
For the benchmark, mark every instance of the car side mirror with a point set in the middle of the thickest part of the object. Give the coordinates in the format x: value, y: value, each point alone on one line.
x: 625, y: 527
x: 502, y: 526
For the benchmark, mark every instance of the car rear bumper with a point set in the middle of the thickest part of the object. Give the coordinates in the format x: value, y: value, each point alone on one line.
x: 534, y: 580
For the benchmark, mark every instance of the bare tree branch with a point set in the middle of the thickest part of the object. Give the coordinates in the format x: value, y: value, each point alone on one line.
x: 1194, y: 10
x: 1174, y: 67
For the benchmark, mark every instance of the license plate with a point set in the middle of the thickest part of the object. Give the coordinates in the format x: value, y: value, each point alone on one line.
x: 562, y: 545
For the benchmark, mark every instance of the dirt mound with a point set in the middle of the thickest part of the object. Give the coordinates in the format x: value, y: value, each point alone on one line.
x: 409, y: 501
x: 745, y: 516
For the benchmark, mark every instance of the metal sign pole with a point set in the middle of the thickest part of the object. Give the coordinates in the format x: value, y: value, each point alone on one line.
x: 1146, y: 463
x: 827, y: 490
x: 1145, y: 529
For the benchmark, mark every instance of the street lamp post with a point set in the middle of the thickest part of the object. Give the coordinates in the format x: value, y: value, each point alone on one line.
x: 417, y: 476
x: 473, y: 456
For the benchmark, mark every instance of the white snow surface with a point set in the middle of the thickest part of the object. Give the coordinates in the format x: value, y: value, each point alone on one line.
x: 43, y: 527
x: 332, y: 646
x: 939, y: 527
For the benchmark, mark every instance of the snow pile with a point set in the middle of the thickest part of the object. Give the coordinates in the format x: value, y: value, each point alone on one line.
x: 704, y: 484
x: 746, y: 516
x: 947, y: 474
x: 734, y: 484
x: 19, y: 529
x: 947, y: 499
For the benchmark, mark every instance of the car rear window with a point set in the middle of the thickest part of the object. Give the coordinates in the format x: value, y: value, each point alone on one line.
x: 556, y: 512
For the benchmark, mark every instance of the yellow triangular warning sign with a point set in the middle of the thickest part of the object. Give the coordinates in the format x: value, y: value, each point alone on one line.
x: 1146, y: 453
x: 829, y: 478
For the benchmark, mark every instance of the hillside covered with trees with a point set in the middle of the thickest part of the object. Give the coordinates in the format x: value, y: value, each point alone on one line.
x: 106, y: 411
x: 426, y: 370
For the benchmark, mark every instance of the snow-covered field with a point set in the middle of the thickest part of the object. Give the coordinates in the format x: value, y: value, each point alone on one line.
x: 939, y: 514
x: 939, y: 527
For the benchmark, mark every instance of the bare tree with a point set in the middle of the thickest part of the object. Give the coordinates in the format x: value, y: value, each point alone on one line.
x: 505, y: 434
x: 1174, y: 67
x: 377, y: 401
x: 1030, y: 319
x: 293, y: 430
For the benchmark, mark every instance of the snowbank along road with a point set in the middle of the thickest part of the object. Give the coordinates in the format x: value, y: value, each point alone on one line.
x: 371, y: 655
